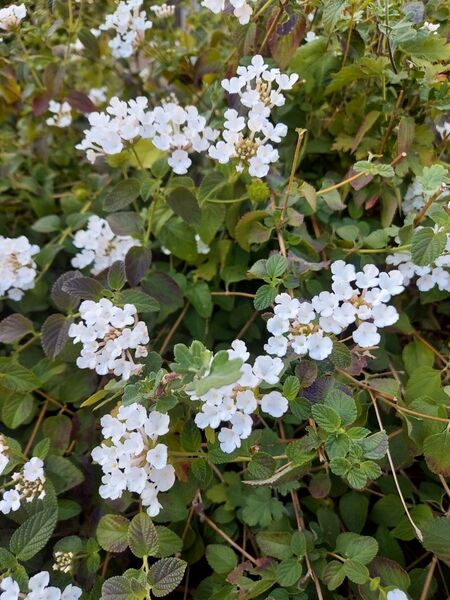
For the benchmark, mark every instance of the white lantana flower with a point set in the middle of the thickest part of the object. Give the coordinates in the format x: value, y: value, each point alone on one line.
x: 396, y: 595
x: 131, y: 457
x: 130, y: 24
x: 436, y: 274
x: 110, y: 335
x: 28, y: 485
x: 11, y: 16
x: 242, y: 9
x: 305, y: 328
x: 100, y: 247
x: 62, y: 114
x: 249, y: 140
x: 415, y: 197
x: 17, y: 266
x: 174, y: 129
x: 38, y: 589
x: 235, y: 403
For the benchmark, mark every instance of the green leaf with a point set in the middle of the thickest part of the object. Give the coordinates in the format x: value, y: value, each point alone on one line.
x: 17, y: 409
x: 432, y: 179
x: 262, y: 465
x: 33, y: 534
x: 211, y: 184
x: 291, y: 387
x: 276, y: 265
x: 371, y: 168
x: 288, y: 572
x: 142, y: 536
x: 250, y: 230
x: 63, y: 473
x: 341, y: 357
x: 356, y: 571
x: 343, y: 405
x: 436, y: 537
x: 123, y: 194
x: 184, y: 204
x: 260, y: 508
x: 201, y: 470
x: 326, y: 418
x: 428, y: 47
x: 375, y: 446
x: 354, y: 509
x: 332, y: 10
x: 357, y: 547
x: 427, y: 245
x: 333, y: 574
x: 436, y: 449
x: 275, y: 543
x: 298, y: 454
x: 221, y: 558
x: 417, y: 355
x: 223, y: 371
x: 169, y: 542
x: 15, y: 377
x: 165, y: 575
x: 142, y: 301
x: 47, y: 224
x: 265, y: 296
x: 199, y: 296
x: 112, y: 533
x: 190, y: 437
x: 118, y: 588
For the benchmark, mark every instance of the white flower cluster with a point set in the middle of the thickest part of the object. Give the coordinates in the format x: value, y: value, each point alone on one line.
x: 172, y: 128
x: 247, y: 139
x: 29, y: 484
x: 38, y: 589
x: 98, y: 95
x: 12, y: 16
x: 131, y: 458
x: 100, y: 246
x: 415, y: 197
x: 241, y: 8
x: 110, y: 130
x: 429, y: 276
x: 62, y: 114
x: 17, y: 267
x: 4, y: 454
x: 163, y: 11
x: 179, y: 131
x: 130, y: 24
x: 236, y: 402
x: 110, y: 335
x: 305, y: 328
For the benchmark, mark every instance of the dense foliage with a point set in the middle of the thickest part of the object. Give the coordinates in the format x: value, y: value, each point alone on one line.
x: 225, y: 279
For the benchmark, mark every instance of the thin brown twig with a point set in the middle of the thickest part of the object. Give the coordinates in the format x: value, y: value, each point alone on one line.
x: 426, y: 206
x: 271, y: 28
x: 242, y: 294
x: 226, y: 537
x: 62, y: 406
x: 247, y: 325
x: 301, y: 527
x: 36, y: 427
x: 428, y: 579
x: 173, y: 329
x: 394, y: 474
